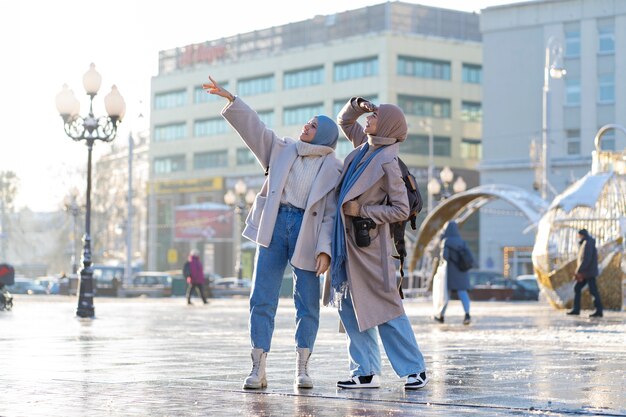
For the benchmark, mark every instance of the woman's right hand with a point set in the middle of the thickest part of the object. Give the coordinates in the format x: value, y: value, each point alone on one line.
x: 214, y: 88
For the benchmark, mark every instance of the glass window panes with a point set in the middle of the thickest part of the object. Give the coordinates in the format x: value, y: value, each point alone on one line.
x: 166, y: 133
x: 471, y: 149
x: 607, y: 143
x: 366, y: 67
x: 606, y: 39
x: 606, y: 88
x: 170, y: 99
x: 303, y: 78
x: 209, y: 127
x: 418, y: 144
x: 201, y: 96
x: 471, y: 111
x: 423, y: 68
x: 167, y: 164
x: 301, y: 114
x: 425, y: 106
x: 472, y: 73
x: 572, y: 43
x: 344, y: 147
x: 254, y: 86
x: 572, y: 91
x: 572, y: 140
x: 245, y: 157
x: 267, y: 117
x: 213, y: 159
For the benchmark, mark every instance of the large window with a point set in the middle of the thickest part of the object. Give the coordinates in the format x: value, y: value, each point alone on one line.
x: 425, y: 106
x: 254, y: 86
x: 572, y: 43
x: 214, y: 159
x: 167, y: 164
x: 201, y: 96
x: 606, y: 39
x: 607, y: 143
x: 301, y: 114
x: 471, y: 149
x: 170, y: 132
x: 170, y: 99
x: 267, y: 117
x: 349, y: 70
x: 606, y: 88
x: 303, y: 78
x: 572, y: 140
x: 245, y: 157
x: 418, y: 144
x: 209, y: 127
x: 471, y: 111
x: 472, y: 73
x: 423, y: 68
x: 572, y: 91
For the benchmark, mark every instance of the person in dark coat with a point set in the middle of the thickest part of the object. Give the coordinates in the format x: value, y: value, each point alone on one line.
x: 194, y: 275
x: 452, y: 245
x: 586, y: 273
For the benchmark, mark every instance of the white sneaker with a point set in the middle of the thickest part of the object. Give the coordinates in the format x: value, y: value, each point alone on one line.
x: 303, y: 380
x: 415, y: 381
x: 369, y: 381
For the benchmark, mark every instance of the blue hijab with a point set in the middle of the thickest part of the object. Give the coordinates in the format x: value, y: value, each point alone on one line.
x: 338, y: 274
x: 327, y: 132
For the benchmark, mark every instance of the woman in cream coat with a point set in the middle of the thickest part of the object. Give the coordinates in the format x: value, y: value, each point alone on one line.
x: 291, y: 221
x: 363, y: 277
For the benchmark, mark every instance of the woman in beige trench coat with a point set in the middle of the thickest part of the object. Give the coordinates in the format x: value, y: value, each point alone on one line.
x: 371, y: 195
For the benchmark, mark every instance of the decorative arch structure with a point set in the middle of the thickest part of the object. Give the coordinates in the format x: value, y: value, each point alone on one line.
x: 459, y: 207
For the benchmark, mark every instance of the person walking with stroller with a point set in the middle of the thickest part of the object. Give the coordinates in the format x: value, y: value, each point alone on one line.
x: 371, y: 195
x: 586, y: 273
x: 194, y: 274
x: 291, y: 221
x: 459, y: 260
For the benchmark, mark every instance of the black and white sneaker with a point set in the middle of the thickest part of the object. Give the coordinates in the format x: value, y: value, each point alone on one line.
x: 415, y: 381
x: 370, y: 381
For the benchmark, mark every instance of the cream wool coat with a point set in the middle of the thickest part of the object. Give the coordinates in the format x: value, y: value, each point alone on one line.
x: 381, y: 193
x: 279, y: 155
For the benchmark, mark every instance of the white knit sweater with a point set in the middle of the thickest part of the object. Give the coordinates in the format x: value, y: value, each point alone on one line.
x: 302, y: 173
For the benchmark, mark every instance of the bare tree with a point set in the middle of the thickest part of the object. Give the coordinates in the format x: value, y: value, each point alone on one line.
x: 9, y: 184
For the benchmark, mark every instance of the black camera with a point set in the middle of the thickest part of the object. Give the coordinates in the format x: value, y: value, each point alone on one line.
x: 362, y: 228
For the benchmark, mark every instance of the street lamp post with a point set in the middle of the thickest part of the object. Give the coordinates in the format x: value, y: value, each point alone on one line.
x: 72, y: 207
x: 442, y: 185
x: 553, y: 68
x: 239, y: 199
x: 89, y: 129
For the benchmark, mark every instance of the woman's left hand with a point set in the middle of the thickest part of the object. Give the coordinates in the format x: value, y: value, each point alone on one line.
x: 322, y: 263
x: 352, y: 208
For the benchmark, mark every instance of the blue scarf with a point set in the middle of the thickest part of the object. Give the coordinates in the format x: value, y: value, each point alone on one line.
x: 338, y: 274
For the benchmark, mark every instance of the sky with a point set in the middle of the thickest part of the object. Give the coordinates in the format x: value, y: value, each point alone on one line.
x: 45, y: 44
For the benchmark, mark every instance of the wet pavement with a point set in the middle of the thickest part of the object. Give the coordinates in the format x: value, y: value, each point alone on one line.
x: 160, y: 357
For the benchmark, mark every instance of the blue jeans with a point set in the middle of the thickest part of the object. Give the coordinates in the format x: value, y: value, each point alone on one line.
x: 398, y: 340
x: 270, y: 264
x: 465, y: 300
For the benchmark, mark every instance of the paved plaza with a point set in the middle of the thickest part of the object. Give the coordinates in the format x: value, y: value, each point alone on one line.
x: 160, y: 357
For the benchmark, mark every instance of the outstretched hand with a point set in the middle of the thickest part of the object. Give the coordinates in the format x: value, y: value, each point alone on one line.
x: 214, y: 88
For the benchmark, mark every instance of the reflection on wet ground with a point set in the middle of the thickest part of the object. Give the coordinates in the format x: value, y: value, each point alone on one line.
x: 145, y: 357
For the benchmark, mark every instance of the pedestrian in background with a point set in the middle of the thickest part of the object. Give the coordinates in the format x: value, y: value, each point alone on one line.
x: 586, y: 273
x: 194, y: 274
x: 291, y: 221
x: 455, y: 252
x: 371, y: 195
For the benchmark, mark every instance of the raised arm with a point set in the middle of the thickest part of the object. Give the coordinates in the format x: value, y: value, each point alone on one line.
x: 347, y: 119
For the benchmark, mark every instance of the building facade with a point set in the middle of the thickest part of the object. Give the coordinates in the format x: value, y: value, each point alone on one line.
x: 427, y: 60
x: 586, y: 37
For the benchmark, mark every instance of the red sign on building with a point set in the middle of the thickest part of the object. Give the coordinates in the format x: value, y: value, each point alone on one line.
x: 204, y: 221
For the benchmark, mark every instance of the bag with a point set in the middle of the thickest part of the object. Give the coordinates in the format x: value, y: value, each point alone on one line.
x: 440, y: 288
x: 186, y: 270
x: 465, y: 260
x: 415, y: 206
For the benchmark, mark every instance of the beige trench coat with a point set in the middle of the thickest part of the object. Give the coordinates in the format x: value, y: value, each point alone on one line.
x: 279, y: 154
x: 381, y: 193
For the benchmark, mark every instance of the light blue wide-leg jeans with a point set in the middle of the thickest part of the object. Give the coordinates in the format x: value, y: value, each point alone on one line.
x: 398, y: 340
x: 270, y: 264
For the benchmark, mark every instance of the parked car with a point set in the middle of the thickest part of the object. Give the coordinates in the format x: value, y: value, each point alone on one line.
x: 489, y: 285
x: 526, y: 288
x: 150, y: 284
x: 231, y: 286
x: 26, y: 286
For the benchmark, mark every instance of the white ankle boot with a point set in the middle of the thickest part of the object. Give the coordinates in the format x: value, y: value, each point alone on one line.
x: 303, y: 380
x: 257, y: 379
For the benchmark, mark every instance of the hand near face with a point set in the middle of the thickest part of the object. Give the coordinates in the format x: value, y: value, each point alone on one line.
x: 367, y: 106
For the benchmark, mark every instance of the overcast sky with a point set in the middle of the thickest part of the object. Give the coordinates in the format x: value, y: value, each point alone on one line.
x: 46, y: 43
